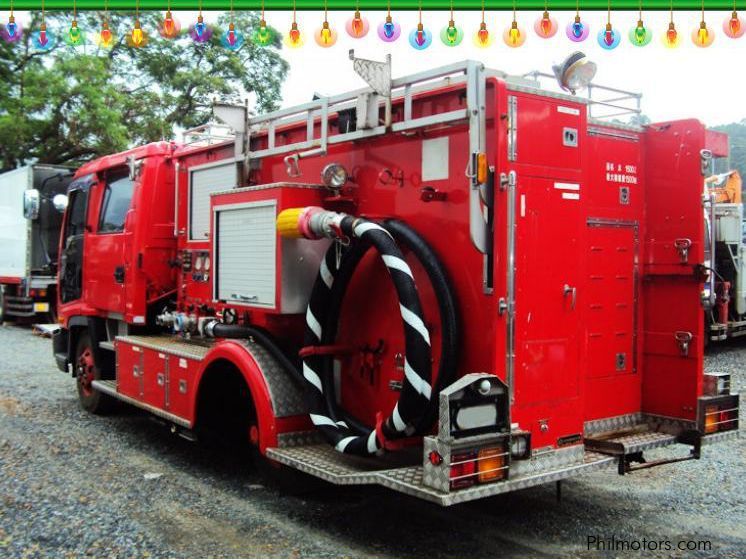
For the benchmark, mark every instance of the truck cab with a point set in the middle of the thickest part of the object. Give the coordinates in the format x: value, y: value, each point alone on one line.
x: 116, y: 248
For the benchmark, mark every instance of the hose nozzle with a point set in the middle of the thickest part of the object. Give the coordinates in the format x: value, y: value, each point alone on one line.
x: 310, y: 222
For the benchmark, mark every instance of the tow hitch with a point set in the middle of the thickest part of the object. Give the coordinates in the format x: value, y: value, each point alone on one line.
x: 626, y: 447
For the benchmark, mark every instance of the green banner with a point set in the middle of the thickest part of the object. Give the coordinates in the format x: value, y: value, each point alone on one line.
x: 347, y: 5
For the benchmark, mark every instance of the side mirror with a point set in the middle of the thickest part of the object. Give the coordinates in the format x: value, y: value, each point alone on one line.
x: 31, y: 203
x: 60, y: 202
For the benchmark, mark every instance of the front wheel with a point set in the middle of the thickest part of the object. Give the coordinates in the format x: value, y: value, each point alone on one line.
x: 86, y: 371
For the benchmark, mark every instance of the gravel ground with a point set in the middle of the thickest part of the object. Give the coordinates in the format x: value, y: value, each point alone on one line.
x: 72, y: 484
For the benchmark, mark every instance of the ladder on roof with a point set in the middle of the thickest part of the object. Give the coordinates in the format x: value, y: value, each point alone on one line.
x: 366, y: 103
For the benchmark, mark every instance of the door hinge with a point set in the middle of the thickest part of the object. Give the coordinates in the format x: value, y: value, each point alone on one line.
x: 512, y: 128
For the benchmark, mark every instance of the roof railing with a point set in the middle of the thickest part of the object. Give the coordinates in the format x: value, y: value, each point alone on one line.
x: 608, y: 102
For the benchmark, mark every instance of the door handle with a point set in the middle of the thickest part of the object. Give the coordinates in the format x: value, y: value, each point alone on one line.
x: 572, y: 291
x: 119, y: 275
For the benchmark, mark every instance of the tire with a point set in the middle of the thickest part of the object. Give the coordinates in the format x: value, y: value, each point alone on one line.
x: 86, y: 370
x: 2, y: 304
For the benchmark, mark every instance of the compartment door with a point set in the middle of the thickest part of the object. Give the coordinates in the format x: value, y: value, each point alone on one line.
x: 548, y: 290
x: 674, y: 256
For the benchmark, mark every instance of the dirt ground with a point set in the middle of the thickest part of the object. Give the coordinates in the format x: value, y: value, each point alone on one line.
x: 72, y: 484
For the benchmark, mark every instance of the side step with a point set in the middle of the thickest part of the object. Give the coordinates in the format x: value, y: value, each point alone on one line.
x: 109, y: 387
x: 628, y: 446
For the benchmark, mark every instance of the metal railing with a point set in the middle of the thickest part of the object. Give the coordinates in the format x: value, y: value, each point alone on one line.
x: 614, y: 103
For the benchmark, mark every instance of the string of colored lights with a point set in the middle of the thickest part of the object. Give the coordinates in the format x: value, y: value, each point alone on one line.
x: 357, y: 27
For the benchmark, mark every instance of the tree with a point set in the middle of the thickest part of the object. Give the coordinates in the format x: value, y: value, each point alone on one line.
x: 73, y: 104
x: 737, y: 140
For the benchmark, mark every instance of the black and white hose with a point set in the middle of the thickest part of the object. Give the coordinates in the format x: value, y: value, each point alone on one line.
x: 416, y: 394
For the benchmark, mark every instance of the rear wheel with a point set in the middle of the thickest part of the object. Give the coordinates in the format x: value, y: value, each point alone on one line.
x: 86, y: 371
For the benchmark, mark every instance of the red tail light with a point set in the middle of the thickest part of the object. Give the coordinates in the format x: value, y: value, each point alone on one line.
x: 463, y: 469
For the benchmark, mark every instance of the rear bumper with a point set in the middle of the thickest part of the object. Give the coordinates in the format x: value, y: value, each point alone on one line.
x: 627, y: 437
x: 19, y: 306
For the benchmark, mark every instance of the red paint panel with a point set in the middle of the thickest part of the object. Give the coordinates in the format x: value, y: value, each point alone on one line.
x: 548, y: 299
x: 182, y: 389
x: 672, y: 375
x: 717, y: 143
x: 129, y: 369
x: 154, y: 378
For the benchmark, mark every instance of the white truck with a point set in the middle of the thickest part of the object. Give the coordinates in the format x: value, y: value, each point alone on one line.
x: 727, y: 315
x: 32, y: 201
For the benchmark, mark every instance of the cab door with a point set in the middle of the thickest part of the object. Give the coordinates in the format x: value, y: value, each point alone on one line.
x: 106, y: 246
x: 73, y: 240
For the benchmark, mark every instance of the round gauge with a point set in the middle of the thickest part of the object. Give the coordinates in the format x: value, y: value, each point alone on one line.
x: 198, y: 262
x: 207, y: 263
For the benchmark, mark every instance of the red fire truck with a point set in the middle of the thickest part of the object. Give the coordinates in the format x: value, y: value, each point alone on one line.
x: 453, y: 284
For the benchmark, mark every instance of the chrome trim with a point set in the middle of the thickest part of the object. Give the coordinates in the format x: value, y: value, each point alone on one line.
x: 475, y: 102
x: 510, y: 285
x: 177, y: 167
x: 512, y: 128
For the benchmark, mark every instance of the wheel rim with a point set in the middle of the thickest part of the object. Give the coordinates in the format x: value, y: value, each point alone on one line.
x: 86, y: 372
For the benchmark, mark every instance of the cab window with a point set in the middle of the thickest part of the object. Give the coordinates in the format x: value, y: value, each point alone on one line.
x: 116, y: 201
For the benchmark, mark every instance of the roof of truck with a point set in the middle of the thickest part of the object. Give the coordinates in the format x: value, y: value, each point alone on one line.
x: 140, y: 152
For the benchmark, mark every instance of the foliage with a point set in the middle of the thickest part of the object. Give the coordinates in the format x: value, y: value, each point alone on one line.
x: 737, y: 135
x: 74, y: 104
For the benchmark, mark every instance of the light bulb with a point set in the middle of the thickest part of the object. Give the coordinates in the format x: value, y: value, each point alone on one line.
x: 232, y: 39
x: 451, y: 35
x: 170, y: 27
x: 294, y: 38
x: 608, y: 37
x: 577, y: 31
x: 703, y: 36
x: 671, y: 38
x: 388, y: 30
x: 357, y: 26
x: 420, y: 38
x: 74, y: 35
x: 546, y: 26
x: 43, y: 40
x: 733, y: 27
x: 514, y: 36
x: 482, y: 38
x: 263, y: 36
x: 639, y: 35
x: 200, y: 31
x: 325, y: 36
x: 137, y: 35
x: 105, y: 36
x: 11, y: 32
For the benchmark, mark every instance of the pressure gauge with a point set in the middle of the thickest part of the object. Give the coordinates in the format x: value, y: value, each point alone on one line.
x: 206, y: 264
x: 199, y: 262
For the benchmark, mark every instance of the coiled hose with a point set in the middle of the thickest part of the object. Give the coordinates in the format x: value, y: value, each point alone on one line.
x: 450, y: 331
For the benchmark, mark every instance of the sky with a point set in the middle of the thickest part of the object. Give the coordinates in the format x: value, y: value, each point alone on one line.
x: 676, y: 83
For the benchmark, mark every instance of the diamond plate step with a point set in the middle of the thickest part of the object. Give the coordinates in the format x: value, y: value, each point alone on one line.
x: 322, y: 461
x: 174, y: 345
x: 632, y: 440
